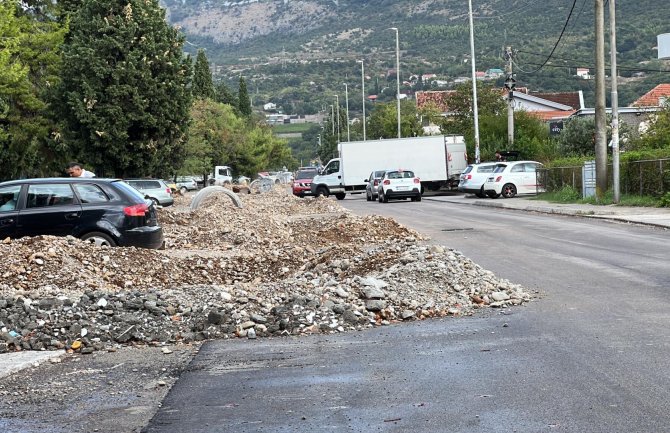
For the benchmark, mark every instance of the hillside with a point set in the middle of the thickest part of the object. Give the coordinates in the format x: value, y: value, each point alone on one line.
x: 297, y: 53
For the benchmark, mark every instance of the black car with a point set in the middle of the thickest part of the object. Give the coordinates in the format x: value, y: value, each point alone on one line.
x: 102, y: 211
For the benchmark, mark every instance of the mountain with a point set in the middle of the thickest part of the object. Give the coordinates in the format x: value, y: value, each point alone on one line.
x: 298, y: 53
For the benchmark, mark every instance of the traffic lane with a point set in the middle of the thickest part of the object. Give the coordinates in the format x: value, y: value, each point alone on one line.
x: 523, y: 246
x: 498, y: 373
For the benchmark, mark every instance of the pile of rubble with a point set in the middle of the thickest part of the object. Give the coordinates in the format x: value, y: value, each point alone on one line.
x: 279, y: 265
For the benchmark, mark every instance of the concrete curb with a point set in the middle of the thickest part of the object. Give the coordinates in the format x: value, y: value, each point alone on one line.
x: 14, y: 362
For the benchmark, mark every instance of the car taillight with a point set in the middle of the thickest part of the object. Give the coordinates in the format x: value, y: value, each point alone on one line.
x: 387, y: 182
x: 168, y: 190
x: 136, y: 210
x: 376, y: 182
x: 498, y: 179
x: 468, y: 176
x: 417, y: 180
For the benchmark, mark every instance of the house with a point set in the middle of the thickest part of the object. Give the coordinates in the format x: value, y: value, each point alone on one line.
x: 494, y: 73
x: 270, y: 106
x: 428, y: 77
x: 584, y: 73
x: 659, y: 96
x: 480, y: 75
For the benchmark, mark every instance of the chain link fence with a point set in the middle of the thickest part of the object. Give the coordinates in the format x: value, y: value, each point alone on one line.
x: 644, y: 178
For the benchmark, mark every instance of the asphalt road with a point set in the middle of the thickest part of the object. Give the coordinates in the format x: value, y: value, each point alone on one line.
x: 589, y: 355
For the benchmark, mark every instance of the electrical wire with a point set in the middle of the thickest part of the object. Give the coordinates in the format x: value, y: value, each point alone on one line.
x: 588, y: 62
x: 656, y: 71
x: 574, y: 3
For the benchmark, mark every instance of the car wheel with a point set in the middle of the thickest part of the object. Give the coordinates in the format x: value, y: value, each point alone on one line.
x: 417, y: 198
x: 321, y: 191
x: 367, y: 196
x: 508, y: 190
x: 481, y: 193
x: 384, y: 198
x: 340, y: 195
x: 183, y: 190
x: 379, y: 197
x: 99, y: 239
x: 492, y: 194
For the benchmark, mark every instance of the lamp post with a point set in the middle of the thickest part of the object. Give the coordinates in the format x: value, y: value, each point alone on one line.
x: 337, y: 99
x: 346, y: 98
x: 474, y: 84
x: 397, y: 72
x: 363, y: 92
x: 615, y: 105
x: 332, y: 117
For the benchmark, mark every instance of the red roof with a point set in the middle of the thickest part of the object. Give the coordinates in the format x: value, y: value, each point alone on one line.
x: 571, y: 99
x: 652, y: 97
x: 551, y: 115
x: 437, y: 97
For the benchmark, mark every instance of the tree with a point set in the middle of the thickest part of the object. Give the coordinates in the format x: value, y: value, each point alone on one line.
x: 489, y: 102
x: 243, y: 99
x: 29, y: 64
x: 383, y: 121
x: 125, y: 88
x: 657, y: 135
x: 203, y: 87
x: 224, y: 95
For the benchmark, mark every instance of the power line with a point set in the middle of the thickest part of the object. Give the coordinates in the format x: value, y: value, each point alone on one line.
x: 574, y: 3
x: 582, y: 66
x: 586, y: 63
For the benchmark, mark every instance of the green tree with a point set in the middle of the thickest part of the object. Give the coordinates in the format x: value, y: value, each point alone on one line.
x: 29, y: 63
x: 383, y: 121
x: 578, y: 137
x: 125, y: 88
x: 657, y: 135
x: 490, y: 102
x: 224, y: 95
x: 243, y: 99
x: 203, y: 87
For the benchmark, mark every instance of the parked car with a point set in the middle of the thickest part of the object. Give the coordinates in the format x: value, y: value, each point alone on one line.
x: 512, y: 178
x: 474, y: 177
x: 302, y: 184
x: 373, y: 184
x: 399, y: 184
x: 155, y: 190
x: 103, y: 211
x: 186, y: 183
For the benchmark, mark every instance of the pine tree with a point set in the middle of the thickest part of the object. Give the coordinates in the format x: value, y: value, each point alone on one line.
x: 243, y: 98
x: 203, y: 87
x: 225, y: 96
x: 125, y: 88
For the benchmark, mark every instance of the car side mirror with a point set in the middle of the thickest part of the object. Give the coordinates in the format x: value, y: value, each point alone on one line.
x: 366, y: 180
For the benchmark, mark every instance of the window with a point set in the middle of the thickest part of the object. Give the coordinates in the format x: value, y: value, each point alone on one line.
x: 49, y: 195
x: 333, y: 167
x: 9, y: 196
x: 91, y: 194
x: 518, y: 168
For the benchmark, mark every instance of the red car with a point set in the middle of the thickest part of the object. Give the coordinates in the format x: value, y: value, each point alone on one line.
x: 302, y: 182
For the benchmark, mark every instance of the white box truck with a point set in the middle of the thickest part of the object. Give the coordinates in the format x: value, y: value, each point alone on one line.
x: 437, y: 160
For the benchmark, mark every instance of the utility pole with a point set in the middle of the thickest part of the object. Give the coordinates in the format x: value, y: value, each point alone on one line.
x: 397, y: 72
x: 363, y: 93
x: 332, y: 117
x: 346, y: 97
x: 615, y: 104
x: 510, y: 84
x: 601, y: 117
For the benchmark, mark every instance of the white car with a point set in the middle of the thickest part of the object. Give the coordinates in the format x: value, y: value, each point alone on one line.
x: 512, y: 178
x: 186, y: 183
x: 399, y: 184
x: 474, y: 176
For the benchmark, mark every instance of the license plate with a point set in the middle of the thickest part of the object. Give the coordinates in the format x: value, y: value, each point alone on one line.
x: 402, y: 188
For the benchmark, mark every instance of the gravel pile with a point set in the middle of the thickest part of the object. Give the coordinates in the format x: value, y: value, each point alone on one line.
x: 278, y: 266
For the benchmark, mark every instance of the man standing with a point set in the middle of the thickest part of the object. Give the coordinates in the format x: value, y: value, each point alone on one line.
x: 74, y: 170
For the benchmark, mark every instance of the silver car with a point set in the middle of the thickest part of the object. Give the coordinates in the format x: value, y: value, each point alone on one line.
x: 186, y: 183
x: 155, y: 190
x: 372, y: 187
x: 474, y: 176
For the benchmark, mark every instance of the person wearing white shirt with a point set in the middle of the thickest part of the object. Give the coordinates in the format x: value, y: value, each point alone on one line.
x: 74, y: 169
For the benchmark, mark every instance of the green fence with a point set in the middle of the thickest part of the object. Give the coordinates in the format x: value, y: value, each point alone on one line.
x: 644, y: 178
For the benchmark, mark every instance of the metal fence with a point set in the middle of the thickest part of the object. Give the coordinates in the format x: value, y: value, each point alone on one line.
x: 644, y: 178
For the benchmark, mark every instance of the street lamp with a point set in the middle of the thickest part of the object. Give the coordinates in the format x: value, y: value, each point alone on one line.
x: 397, y: 71
x: 337, y: 98
x: 332, y: 117
x: 474, y: 84
x: 363, y: 93
x: 346, y: 98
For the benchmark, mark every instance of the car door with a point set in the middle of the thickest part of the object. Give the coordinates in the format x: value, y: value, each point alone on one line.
x: 9, y: 199
x: 50, y: 209
x: 529, y: 183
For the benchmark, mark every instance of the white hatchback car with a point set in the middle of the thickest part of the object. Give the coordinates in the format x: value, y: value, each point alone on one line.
x: 512, y: 178
x: 399, y: 184
x: 474, y: 176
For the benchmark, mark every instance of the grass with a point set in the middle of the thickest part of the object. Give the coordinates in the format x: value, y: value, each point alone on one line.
x: 570, y: 195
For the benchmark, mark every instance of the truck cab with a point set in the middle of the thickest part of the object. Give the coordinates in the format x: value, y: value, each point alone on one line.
x: 223, y: 175
x: 329, y: 180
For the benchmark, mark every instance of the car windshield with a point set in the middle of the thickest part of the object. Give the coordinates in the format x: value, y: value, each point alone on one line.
x: 305, y: 174
x: 134, y: 194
